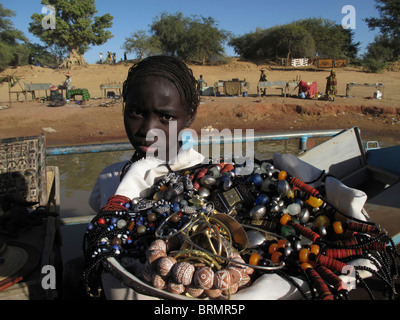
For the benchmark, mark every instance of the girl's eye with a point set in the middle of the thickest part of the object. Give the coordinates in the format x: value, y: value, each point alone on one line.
x: 134, y: 113
x: 166, y: 117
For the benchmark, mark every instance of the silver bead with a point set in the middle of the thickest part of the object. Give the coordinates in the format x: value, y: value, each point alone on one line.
x: 204, y: 192
x: 283, y: 187
x: 304, y: 215
x: 208, y: 181
x: 258, y: 212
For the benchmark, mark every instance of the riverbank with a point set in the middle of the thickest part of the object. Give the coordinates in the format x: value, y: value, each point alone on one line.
x: 99, y: 120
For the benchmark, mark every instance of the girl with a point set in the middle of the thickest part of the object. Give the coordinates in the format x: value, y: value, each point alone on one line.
x: 159, y: 94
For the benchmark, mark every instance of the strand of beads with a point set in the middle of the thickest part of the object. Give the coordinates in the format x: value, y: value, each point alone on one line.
x: 193, y: 272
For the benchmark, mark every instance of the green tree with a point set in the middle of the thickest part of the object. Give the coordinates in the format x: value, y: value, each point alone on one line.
x: 194, y: 38
x: 292, y: 41
x: 378, y: 54
x: 170, y: 30
x: 388, y: 23
x: 288, y: 41
x: 251, y: 45
x: 76, y: 28
x: 203, y: 39
x: 331, y: 40
x: 141, y: 44
x: 303, y: 38
x: 13, y: 50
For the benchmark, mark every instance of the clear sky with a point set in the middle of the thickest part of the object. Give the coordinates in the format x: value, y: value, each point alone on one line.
x: 236, y: 16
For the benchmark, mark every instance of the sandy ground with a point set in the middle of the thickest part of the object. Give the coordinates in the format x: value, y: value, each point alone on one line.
x: 99, y: 120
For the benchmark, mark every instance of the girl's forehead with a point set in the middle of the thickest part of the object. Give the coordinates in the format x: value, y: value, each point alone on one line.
x: 155, y: 84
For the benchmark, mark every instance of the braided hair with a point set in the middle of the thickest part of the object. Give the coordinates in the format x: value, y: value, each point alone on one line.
x: 170, y: 68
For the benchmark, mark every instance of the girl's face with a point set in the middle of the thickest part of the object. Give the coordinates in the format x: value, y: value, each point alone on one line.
x: 153, y: 104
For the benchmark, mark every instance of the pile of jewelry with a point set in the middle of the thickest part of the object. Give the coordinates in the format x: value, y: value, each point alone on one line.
x: 207, y: 232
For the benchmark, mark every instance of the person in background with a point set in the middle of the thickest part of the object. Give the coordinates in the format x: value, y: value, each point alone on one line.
x: 67, y: 84
x: 101, y: 58
x: 331, y: 86
x: 200, y: 84
x: 263, y: 78
x: 55, y: 95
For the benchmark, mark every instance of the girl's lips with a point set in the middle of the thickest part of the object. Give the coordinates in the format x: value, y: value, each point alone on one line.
x: 145, y: 149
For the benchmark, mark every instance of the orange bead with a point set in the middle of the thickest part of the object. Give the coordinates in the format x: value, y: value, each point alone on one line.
x: 314, y: 202
x: 290, y: 194
x: 276, y: 257
x: 285, y: 219
x: 314, y: 249
x: 338, y: 227
x: 282, y: 175
x: 254, y: 259
x: 272, y: 248
x: 303, y: 255
x: 162, y: 188
x: 305, y: 266
x: 281, y: 243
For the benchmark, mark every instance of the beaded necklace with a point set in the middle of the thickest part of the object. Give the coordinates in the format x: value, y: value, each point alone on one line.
x: 196, y: 225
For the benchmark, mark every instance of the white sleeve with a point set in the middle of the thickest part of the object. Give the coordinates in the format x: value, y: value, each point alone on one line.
x: 106, y: 185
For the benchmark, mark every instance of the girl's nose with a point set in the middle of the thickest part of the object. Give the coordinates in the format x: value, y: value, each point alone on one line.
x: 148, y: 123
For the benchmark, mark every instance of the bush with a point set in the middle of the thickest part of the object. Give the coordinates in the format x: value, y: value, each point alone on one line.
x: 373, y: 65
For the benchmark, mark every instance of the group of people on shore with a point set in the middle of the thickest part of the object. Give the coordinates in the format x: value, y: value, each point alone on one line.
x: 331, y: 85
x: 111, y: 58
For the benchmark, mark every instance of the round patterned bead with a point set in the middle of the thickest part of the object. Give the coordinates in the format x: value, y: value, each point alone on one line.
x: 249, y: 270
x: 182, y: 272
x: 222, y: 279
x: 213, y: 293
x: 204, y: 278
x: 246, y: 280
x: 236, y: 273
x: 232, y: 290
x: 176, y: 288
x: 194, y: 291
x: 153, y: 255
x: 164, y: 265
x: 158, y: 245
x: 158, y: 281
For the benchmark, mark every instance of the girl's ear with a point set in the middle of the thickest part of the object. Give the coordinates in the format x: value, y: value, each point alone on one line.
x: 190, y: 118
